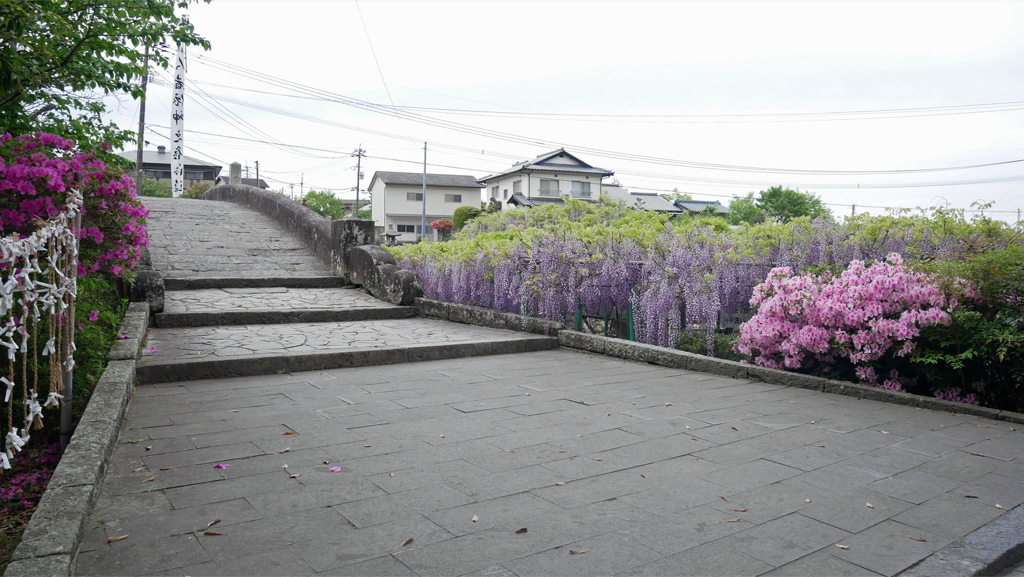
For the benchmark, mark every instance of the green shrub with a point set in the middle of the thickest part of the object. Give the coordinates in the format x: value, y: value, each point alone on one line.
x: 155, y: 188
x: 196, y: 190
x: 325, y: 204
x: 464, y: 214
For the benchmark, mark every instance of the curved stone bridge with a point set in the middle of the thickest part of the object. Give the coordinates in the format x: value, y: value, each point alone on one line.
x: 288, y: 424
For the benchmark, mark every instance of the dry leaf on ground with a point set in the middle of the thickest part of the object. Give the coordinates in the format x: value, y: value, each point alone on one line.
x: 166, y: 468
x: 736, y: 520
x: 670, y: 404
x: 147, y: 480
x: 998, y: 506
x: 149, y: 447
x: 642, y: 475
x: 559, y: 484
x: 579, y: 552
x: 407, y: 541
x: 735, y: 429
x: 289, y: 433
x: 295, y: 475
x: 285, y: 466
x: 870, y: 506
x: 916, y: 538
x: 523, y: 530
x: 211, y: 533
x: 475, y: 519
x: 841, y: 546
x: 743, y: 510
x: 233, y: 411
x: 723, y: 497
x: 112, y: 539
x: 285, y: 450
x: 212, y: 523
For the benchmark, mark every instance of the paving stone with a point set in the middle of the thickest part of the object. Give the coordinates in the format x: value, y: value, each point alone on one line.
x: 346, y: 547
x: 605, y: 554
x: 887, y: 461
x: 212, y: 455
x: 256, y: 537
x: 708, y: 560
x: 766, y: 503
x: 283, y: 561
x: 993, y: 489
x: 226, y: 489
x: 887, y: 548
x: 930, y: 445
x: 950, y: 515
x: 960, y: 466
x: 492, y: 513
x: 784, y: 539
x: 304, y: 497
x: 385, y: 508
x: 142, y: 558
x: 678, y: 532
x: 385, y: 566
x: 914, y: 486
x: 818, y: 564
x: 675, y: 497
x: 751, y: 475
x: 850, y: 511
x: 1002, y: 448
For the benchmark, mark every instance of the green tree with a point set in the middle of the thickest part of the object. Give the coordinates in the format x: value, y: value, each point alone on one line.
x: 58, y: 58
x: 464, y: 214
x: 365, y: 213
x: 785, y: 204
x: 154, y: 187
x: 744, y: 210
x: 325, y: 204
x: 676, y: 195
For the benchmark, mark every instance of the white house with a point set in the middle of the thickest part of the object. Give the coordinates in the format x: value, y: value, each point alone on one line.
x: 397, y: 200
x: 546, y: 179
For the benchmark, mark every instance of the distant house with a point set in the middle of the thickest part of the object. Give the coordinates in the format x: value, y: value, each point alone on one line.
x: 397, y: 201
x: 157, y: 165
x: 546, y: 179
x: 246, y: 181
x: 702, y: 205
x: 640, y: 200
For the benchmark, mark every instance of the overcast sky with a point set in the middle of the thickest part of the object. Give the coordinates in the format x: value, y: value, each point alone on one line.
x: 652, y: 91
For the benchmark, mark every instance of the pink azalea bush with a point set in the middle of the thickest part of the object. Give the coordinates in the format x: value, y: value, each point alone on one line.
x: 861, y: 323
x: 37, y: 172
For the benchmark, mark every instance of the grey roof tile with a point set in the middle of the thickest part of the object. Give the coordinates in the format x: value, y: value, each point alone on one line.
x: 438, y: 180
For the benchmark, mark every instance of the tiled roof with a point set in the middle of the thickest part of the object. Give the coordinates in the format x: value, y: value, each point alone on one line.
x: 644, y: 200
x: 438, y: 180
x: 540, y: 163
x: 700, y: 205
x: 155, y: 157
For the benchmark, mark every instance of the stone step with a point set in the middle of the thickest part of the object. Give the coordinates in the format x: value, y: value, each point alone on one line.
x: 185, y: 354
x: 173, y: 283
x: 273, y: 305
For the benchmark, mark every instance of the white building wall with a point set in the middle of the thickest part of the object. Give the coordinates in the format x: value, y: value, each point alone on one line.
x: 396, y: 208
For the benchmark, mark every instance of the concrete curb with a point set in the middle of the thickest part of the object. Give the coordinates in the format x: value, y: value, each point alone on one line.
x: 481, y: 317
x: 276, y: 317
x: 990, y: 550
x: 50, y: 543
x: 682, y: 360
x: 194, y: 370
x: 184, y: 284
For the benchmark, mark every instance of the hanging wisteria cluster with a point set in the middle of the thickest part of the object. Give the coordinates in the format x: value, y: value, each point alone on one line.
x: 675, y: 275
x: 37, y: 287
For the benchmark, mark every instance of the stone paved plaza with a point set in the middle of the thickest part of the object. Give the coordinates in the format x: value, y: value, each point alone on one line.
x: 649, y: 470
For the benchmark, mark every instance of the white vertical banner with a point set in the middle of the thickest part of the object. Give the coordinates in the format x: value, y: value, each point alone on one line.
x: 178, y: 126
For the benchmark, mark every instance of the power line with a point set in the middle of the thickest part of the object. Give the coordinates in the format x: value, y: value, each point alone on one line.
x: 379, y: 71
x: 394, y: 111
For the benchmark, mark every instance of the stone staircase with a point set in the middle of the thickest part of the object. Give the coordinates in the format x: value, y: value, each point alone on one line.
x: 244, y: 298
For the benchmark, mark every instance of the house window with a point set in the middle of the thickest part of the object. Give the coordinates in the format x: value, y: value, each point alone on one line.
x: 549, y: 187
x: 580, y: 188
x: 494, y: 192
x: 453, y: 198
x: 505, y: 195
x: 414, y: 196
x: 517, y: 187
x: 413, y: 228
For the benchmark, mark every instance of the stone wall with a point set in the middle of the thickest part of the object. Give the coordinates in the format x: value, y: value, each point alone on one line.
x: 331, y: 241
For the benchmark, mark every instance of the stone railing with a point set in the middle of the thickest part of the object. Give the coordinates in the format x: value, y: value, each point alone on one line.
x: 330, y: 240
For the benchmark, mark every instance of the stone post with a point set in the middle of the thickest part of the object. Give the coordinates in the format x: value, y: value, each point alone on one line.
x: 235, y: 173
x: 346, y: 234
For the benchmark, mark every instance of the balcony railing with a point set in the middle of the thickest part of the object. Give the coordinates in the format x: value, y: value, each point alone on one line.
x: 550, y: 192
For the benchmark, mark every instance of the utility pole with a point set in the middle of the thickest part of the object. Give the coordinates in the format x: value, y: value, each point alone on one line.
x: 257, y: 174
x: 302, y: 180
x: 142, y: 125
x: 423, y: 219
x: 854, y: 212
x: 291, y: 190
x: 359, y: 154
x: 247, y: 169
